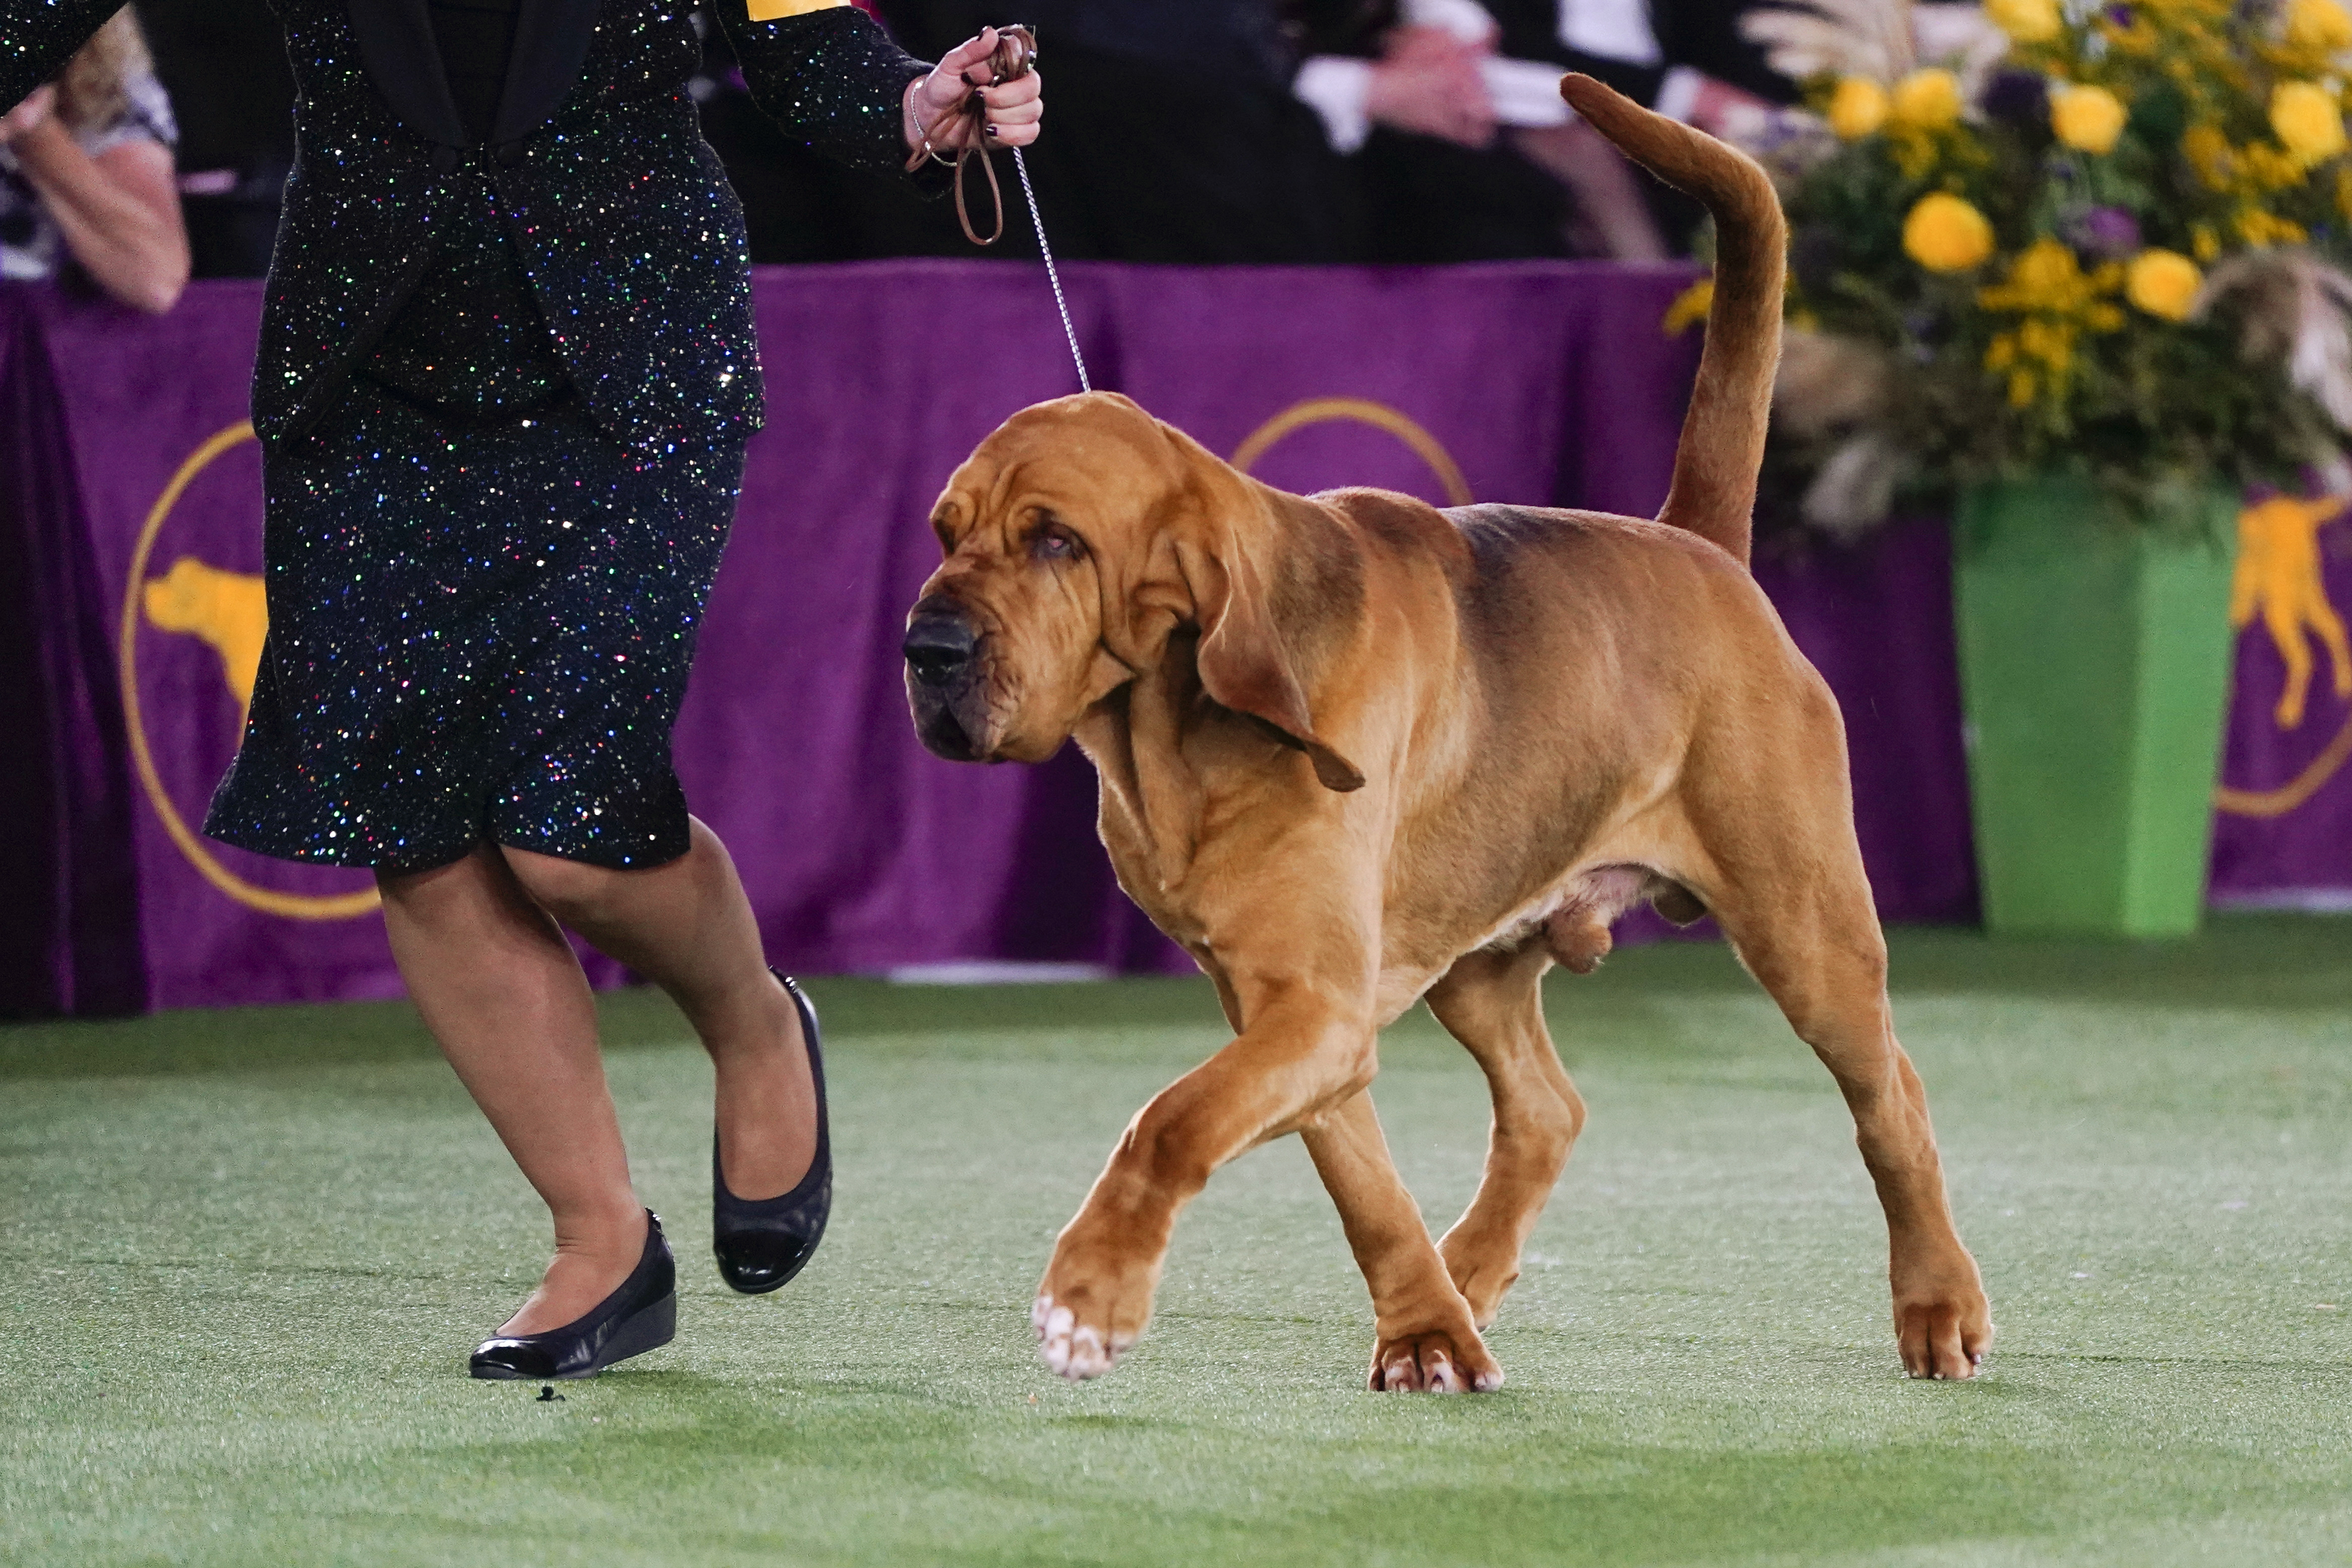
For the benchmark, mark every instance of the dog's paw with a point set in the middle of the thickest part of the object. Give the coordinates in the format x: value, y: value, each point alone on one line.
x: 1435, y: 1361
x: 1945, y: 1333
x: 1092, y: 1306
x: 1074, y: 1349
x: 1482, y: 1267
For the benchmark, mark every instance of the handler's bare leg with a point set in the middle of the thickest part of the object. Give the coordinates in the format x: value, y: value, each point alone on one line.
x: 478, y: 945
x: 499, y: 989
x: 687, y: 926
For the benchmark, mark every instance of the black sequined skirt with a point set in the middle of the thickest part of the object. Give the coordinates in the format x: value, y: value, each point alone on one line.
x: 479, y: 628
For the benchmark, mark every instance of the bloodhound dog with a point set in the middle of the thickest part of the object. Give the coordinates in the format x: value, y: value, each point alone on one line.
x: 1357, y: 752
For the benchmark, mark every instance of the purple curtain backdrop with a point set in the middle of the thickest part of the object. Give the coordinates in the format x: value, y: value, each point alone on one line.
x: 1544, y: 383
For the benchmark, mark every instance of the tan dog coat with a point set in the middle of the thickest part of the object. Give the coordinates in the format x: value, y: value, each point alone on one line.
x: 1357, y: 752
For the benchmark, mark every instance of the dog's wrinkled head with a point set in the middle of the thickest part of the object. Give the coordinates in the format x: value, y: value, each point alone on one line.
x: 1079, y: 536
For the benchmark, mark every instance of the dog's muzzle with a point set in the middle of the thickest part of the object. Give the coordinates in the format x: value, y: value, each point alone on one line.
x: 943, y: 680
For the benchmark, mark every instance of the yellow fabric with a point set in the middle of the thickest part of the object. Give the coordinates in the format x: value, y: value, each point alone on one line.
x: 777, y: 10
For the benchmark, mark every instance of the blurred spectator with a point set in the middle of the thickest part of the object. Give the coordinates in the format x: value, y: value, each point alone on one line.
x: 1174, y: 138
x: 1289, y: 131
x: 1186, y: 131
x: 1415, y: 93
x: 223, y: 64
x: 86, y: 176
x: 1685, y: 58
x: 1457, y: 110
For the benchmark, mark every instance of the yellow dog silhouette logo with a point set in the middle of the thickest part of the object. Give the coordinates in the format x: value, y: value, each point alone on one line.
x: 225, y: 609
x: 2278, y: 578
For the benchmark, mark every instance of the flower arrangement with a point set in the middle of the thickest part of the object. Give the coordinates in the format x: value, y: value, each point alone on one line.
x: 2061, y: 236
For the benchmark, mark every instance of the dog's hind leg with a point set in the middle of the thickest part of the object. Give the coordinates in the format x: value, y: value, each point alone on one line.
x: 1424, y: 1337
x: 1492, y: 1003
x: 1792, y: 897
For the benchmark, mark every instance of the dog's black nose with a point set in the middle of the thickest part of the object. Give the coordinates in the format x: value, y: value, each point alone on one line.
x: 939, y: 645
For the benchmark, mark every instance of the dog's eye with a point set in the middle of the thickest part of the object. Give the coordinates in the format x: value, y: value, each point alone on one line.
x: 1055, y: 542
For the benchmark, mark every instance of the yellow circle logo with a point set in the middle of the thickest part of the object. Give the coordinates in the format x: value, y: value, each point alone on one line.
x: 1358, y: 411
x: 226, y: 610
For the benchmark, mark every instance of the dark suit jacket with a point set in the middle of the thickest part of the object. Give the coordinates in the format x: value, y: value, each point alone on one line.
x: 629, y: 237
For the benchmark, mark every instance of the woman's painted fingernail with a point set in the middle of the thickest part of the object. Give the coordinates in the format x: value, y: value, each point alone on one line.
x: 991, y: 129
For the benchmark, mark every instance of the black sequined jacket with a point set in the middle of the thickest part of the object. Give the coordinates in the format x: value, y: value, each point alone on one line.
x: 632, y: 242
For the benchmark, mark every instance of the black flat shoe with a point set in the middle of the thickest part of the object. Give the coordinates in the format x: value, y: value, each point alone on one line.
x: 762, y: 1242
x: 641, y: 1315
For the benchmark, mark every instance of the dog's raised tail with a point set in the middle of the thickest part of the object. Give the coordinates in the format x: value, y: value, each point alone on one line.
x: 1713, y: 489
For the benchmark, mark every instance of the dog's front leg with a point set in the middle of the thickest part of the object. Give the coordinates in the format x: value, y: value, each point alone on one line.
x: 1424, y: 1335
x: 1303, y: 1049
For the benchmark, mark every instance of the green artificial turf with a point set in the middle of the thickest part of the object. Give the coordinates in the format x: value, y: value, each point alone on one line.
x: 246, y: 1253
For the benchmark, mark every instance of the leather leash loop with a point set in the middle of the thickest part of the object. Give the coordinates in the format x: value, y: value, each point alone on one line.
x: 1015, y: 56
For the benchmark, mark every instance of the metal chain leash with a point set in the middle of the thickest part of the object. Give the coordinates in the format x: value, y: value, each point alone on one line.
x: 1016, y: 54
x: 1053, y: 275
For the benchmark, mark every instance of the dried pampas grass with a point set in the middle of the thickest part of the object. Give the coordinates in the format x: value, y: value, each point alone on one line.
x: 2293, y: 306
x: 1883, y: 40
x: 1825, y: 381
x: 1832, y: 390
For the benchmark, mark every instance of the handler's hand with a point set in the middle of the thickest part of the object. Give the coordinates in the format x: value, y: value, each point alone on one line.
x: 1013, y: 106
x: 30, y: 115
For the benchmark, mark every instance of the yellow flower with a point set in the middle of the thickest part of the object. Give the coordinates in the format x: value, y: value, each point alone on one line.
x: 1927, y: 99
x: 2059, y: 302
x: 1857, y: 108
x: 1943, y: 233
x: 2038, y: 21
x: 2272, y: 168
x: 1689, y: 309
x: 2258, y: 227
x: 2308, y: 122
x: 2047, y: 278
x: 2208, y: 244
x: 2087, y: 118
x: 2162, y: 283
x: 2321, y: 25
x: 2208, y: 152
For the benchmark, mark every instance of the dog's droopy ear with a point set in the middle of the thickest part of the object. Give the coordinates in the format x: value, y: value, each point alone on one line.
x: 1245, y: 666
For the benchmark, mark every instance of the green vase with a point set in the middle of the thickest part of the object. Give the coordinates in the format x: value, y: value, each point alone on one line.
x: 2095, y: 669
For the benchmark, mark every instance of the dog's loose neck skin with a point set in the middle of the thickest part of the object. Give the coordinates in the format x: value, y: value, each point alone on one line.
x: 1227, y: 630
